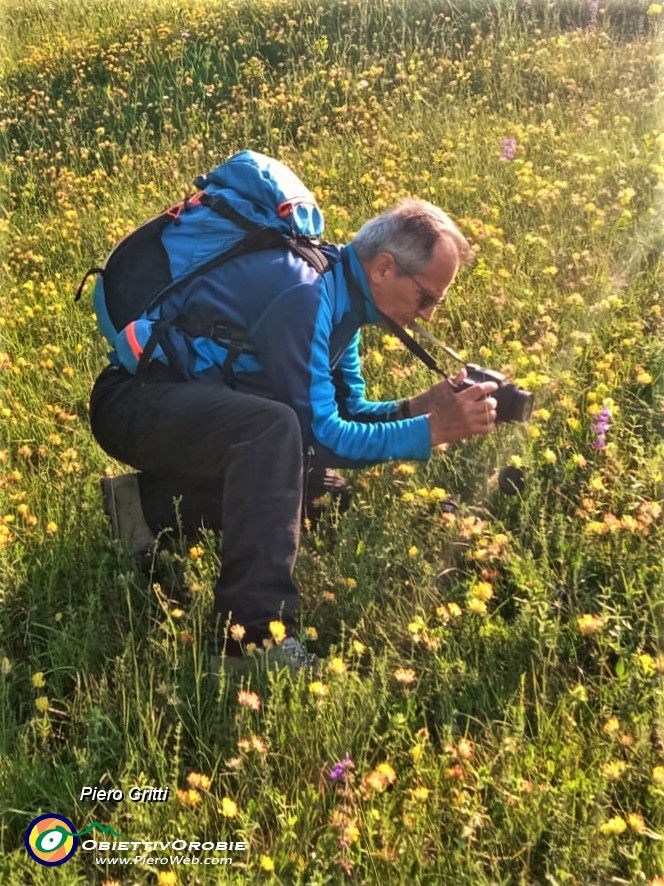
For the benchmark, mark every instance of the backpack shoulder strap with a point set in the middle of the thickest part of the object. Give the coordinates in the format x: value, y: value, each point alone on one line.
x: 310, y: 252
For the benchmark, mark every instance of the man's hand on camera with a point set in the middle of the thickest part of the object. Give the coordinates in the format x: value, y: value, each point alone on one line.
x: 458, y: 414
x: 426, y: 402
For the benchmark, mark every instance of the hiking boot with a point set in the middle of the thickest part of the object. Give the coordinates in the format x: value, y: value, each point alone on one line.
x: 290, y: 654
x: 122, y: 504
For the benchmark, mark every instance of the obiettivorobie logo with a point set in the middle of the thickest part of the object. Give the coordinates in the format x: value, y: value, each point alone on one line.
x: 52, y: 839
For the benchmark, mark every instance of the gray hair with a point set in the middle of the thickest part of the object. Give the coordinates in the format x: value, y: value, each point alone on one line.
x: 409, y: 231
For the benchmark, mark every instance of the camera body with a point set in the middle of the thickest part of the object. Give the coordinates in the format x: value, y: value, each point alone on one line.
x: 514, y: 404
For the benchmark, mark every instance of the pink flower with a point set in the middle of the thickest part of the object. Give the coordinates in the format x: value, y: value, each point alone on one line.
x: 508, y: 149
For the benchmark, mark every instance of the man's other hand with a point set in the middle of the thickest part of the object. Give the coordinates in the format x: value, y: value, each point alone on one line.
x: 458, y: 414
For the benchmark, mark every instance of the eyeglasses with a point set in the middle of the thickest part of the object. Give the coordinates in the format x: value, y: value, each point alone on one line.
x: 427, y: 298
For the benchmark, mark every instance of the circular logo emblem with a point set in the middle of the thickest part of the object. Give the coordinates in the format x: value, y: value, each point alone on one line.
x: 51, y: 839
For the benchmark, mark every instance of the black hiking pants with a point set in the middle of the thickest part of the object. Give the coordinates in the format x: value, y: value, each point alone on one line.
x: 233, y: 460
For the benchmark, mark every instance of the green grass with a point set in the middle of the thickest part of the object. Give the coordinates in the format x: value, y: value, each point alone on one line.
x: 495, y: 677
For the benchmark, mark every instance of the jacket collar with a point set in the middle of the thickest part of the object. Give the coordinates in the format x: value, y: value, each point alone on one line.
x: 358, y: 287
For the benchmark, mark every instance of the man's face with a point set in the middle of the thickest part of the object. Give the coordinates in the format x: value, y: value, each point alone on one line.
x: 404, y: 297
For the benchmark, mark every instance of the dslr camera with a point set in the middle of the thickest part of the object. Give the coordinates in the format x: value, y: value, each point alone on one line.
x: 514, y: 404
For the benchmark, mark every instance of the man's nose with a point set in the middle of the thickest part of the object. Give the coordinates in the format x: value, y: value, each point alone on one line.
x: 426, y: 313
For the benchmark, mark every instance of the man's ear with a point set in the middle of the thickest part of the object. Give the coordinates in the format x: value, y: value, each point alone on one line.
x: 379, y: 266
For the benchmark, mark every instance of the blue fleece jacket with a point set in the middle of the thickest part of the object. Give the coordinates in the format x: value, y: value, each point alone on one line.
x: 302, y: 333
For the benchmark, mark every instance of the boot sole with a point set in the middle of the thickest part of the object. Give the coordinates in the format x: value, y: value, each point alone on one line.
x: 110, y: 509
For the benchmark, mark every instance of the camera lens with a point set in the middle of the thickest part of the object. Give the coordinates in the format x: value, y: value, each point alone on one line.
x: 514, y: 404
x: 511, y: 480
x: 523, y: 405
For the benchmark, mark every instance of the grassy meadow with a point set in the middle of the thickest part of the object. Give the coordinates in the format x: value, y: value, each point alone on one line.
x: 491, y: 710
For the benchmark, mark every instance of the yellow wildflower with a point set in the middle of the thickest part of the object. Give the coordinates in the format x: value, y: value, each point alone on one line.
x: 337, y: 666
x: 613, y: 770
x: 38, y: 680
x: 611, y: 726
x: 416, y: 753
x: 318, y: 689
x: 350, y: 833
x: 42, y: 704
x: 476, y: 606
x: 278, y: 631
x: 197, y: 780
x: 189, y: 798
x: 483, y: 591
x: 405, y: 469
x: 416, y: 626
x: 196, y: 552
x: 228, y: 808
x: 379, y: 779
x: 267, y: 864
x: 641, y: 376
x: 614, y: 826
x: 391, y: 343
x: 636, y: 823
x: 589, y: 624
x: 387, y: 772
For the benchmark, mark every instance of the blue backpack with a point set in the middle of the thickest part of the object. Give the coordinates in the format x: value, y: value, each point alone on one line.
x: 249, y: 203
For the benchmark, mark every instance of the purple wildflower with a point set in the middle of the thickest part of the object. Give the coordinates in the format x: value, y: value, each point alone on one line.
x: 599, y: 427
x: 508, y: 149
x: 339, y: 769
x: 594, y: 9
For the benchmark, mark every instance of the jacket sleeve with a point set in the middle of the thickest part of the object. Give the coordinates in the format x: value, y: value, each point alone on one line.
x: 293, y: 338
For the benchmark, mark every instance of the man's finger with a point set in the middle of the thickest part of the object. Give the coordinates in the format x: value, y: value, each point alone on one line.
x: 458, y: 379
x: 479, y: 390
